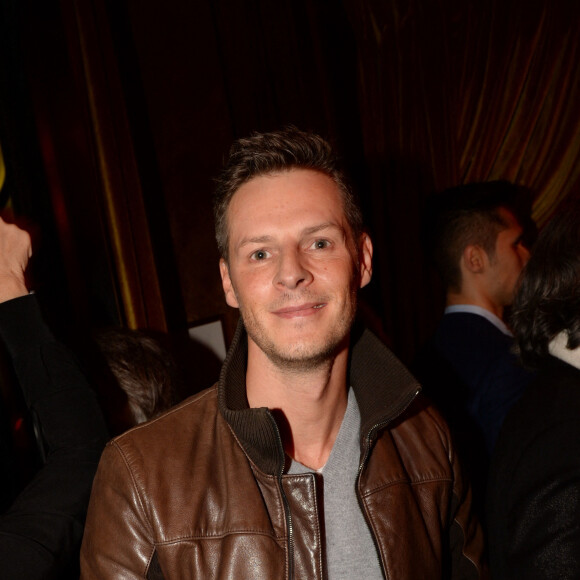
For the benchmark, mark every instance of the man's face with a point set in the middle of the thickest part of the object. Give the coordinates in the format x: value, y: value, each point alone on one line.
x: 294, y: 268
x: 509, y: 259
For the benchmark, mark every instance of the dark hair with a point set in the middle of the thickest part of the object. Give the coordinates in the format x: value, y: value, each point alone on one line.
x: 143, y: 369
x: 462, y: 216
x: 268, y: 153
x: 547, y: 301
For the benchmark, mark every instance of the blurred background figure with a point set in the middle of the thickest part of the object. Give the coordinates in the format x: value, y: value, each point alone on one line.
x: 42, y: 527
x: 534, y: 486
x: 54, y: 425
x: 138, y: 365
x: 476, y: 235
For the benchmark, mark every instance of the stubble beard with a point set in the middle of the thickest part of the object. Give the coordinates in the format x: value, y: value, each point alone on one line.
x: 301, y: 358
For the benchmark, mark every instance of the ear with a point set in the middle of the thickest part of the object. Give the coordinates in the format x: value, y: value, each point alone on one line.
x: 227, y: 285
x: 474, y: 259
x: 365, y: 260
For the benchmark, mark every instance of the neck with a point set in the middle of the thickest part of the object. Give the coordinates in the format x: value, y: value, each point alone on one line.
x: 308, y: 405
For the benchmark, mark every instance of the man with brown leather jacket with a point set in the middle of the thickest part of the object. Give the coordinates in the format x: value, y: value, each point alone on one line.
x: 314, y: 456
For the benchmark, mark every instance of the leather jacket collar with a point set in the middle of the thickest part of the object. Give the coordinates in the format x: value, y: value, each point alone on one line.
x: 384, y: 388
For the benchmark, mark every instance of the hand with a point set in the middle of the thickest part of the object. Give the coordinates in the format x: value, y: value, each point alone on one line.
x: 15, y: 252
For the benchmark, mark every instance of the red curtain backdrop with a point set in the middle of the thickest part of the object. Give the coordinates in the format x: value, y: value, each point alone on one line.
x: 453, y: 92
x: 136, y: 104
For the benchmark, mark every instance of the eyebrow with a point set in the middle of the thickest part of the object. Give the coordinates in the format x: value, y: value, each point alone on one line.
x: 256, y: 240
x: 321, y: 227
x: 306, y: 232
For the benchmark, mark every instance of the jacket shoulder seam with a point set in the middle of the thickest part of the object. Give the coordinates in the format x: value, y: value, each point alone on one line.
x: 135, y: 487
x: 192, y: 400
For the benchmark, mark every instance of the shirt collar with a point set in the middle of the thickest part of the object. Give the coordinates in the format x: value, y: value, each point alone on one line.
x: 558, y: 348
x: 472, y: 309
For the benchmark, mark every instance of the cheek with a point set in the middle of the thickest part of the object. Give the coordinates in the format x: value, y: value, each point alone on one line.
x: 344, y: 280
x: 337, y: 271
x: 517, y: 263
x: 250, y: 284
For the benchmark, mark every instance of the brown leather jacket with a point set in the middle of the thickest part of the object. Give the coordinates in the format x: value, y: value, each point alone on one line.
x: 200, y: 492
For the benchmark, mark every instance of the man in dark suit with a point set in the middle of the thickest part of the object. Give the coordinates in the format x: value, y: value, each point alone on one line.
x: 469, y: 369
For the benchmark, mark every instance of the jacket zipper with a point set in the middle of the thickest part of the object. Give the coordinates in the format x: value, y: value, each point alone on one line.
x: 288, y: 515
x: 290, y: 527
x: 366, y: 456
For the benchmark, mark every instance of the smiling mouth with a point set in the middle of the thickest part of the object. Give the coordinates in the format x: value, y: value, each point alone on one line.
x: 301, y: 310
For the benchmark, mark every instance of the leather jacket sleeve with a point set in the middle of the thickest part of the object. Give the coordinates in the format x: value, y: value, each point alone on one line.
x: 466, y: 540
x: 120, y: 544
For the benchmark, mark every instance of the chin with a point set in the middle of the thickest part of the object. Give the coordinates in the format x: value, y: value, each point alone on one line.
x: 301, y: 362
x: 305, y: 356
x: 304, y: 346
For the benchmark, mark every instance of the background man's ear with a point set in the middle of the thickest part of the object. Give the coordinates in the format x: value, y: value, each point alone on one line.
x: 474, y: 259
x: 366, y: 260
x: 227, y: 285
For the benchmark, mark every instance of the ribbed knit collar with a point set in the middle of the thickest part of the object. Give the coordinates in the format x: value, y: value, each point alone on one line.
x: 384, y: 388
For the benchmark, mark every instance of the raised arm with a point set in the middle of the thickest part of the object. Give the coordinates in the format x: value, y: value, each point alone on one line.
x: 40, y: 533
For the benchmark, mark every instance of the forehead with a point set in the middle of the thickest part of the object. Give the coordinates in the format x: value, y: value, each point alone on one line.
x: 289, y: 199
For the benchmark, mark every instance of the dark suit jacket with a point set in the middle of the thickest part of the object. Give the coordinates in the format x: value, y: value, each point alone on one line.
x: 534, y: 485
x: 485, y: 369
x: 469, y: 371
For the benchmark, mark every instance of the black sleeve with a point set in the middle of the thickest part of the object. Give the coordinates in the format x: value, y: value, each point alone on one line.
x: 543, y: 517
x: 40, y: 533
x: 533, y: 504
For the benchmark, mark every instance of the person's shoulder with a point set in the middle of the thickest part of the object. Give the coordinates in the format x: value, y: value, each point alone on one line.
x: 162, y: 454
x: 470, y: 322
x: 553, y: 393
x: 423, y: 420
x: 559, y: 375
x: 423, y: 441
x: 472, y: 336
x: 544, y: 421
x: 186, y: 418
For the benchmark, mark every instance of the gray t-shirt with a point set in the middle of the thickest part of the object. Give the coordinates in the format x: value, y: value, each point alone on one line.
x: 350, y: 549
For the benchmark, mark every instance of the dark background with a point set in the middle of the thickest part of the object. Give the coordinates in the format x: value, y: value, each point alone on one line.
x: 116, y: 115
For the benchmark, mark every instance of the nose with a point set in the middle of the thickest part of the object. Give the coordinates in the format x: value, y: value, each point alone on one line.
x: 292, y: 270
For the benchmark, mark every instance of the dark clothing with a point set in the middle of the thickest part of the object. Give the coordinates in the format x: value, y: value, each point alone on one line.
x: 201, y: 491
x: 470, y: 372
x: 534, y: 486
x: 481, y: 356
x: 40, y: 533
